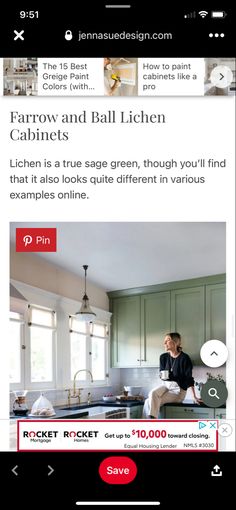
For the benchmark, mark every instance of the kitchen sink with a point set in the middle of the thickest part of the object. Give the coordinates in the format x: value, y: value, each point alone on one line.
x: 96, y: 411
x: 92, y: 409
x: 72, y: 408
x: 78, y: 406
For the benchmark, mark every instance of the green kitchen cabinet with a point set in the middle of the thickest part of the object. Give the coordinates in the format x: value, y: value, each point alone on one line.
x: 155, y: 323
x: 142, y: 316
x: 220, y: 413
x: 135, y: 412
x: 188, y: 413
x: 188, y: 318
x: 126, y: 332
x: 216, y: 312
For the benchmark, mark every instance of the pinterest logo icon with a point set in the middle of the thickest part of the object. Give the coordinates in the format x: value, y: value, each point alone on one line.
x: 27, y: 240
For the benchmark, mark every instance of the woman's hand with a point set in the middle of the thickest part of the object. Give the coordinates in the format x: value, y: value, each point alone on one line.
x: 198, y: 401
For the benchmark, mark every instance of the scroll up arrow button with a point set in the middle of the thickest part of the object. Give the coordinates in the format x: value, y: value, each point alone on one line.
x: 214, y: 353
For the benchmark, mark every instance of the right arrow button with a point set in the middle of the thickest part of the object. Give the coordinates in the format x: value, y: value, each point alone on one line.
x: 221, y: 76
x: 50, y: 470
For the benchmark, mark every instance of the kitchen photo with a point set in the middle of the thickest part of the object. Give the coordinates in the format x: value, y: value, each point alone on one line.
x: 99, y: 326
x: 215, y: 71
x: 20, y: 76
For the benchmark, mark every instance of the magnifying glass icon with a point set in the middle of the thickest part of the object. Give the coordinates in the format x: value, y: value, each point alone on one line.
x: 212, y: 392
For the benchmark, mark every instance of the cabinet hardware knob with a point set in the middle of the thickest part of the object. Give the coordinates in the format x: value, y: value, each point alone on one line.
x: 138, y: 359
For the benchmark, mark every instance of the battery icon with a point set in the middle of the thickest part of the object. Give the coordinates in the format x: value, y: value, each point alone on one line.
x: 218, y: 14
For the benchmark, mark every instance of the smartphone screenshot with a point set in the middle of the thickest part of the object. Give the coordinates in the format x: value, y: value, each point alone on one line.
x: 118, y: 255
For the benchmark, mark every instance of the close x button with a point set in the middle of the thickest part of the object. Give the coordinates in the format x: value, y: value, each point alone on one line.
x: 118, y: 470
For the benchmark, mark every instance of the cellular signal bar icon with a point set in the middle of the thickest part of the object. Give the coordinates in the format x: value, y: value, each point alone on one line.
x: 190, y: 15
x: 203, y: 14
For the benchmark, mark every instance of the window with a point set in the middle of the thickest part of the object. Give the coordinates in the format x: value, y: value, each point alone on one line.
x: 78, y: 340
x: 47, y: 348
x: 89, y: 350
x: 42, y: 328
x: 33, y: 349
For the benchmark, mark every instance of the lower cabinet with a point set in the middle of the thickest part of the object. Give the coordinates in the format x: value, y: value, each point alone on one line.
x: 188, y: 413
x: 220, y: 414
x: 134, y: 413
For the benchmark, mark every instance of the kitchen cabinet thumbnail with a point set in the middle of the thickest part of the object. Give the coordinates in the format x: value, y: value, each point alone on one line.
x: 141, y: 317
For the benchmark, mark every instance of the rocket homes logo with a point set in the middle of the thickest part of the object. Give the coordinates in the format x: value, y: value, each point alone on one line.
x: 36, y: 239
x: 80, y: 435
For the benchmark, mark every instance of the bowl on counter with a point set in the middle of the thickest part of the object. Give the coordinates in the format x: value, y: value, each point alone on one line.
x: 109, y: 399
x: 133, y: 391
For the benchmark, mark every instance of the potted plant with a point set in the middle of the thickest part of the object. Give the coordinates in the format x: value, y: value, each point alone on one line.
x: 210, y: 377
x: 218, y: 377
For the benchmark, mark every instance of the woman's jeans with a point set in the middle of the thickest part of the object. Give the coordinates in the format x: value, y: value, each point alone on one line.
x: 169, y: 392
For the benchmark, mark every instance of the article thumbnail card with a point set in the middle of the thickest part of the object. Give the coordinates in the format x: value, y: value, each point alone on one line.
x: 125, y: 77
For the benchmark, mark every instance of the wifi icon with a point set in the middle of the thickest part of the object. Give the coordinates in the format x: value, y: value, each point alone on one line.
x: 203, y: 14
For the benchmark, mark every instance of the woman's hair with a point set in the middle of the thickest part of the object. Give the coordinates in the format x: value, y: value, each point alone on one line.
x: 176, y: 337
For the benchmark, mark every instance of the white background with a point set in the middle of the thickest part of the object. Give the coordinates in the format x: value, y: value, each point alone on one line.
x: 194, y: 128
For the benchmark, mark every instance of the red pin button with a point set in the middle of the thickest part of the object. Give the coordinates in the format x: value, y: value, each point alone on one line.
x: 117, y: 470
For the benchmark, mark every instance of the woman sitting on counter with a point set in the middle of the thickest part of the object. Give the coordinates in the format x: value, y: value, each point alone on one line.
x: 176, y: 374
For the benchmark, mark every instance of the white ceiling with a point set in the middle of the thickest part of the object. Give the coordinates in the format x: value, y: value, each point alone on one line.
x: 125, y: 255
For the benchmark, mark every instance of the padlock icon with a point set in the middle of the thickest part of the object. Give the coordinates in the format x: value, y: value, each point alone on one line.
x: 68, y: 35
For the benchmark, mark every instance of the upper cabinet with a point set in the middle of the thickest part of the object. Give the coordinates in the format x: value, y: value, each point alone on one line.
x: 126, y: 332
x: 216, y: 312
x: 194, y: 308
x: 187, y: 317
x: 155, y: 322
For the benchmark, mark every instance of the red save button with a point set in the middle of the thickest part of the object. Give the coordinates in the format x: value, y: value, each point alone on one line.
x: 117, y: 470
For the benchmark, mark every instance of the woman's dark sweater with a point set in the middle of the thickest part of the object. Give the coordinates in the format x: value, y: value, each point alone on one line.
x: 182, y: 369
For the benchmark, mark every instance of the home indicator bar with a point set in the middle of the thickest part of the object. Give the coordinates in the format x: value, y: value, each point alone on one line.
x: 118, y: 503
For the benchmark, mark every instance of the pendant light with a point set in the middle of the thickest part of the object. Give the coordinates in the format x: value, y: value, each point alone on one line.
x: 85, y: 314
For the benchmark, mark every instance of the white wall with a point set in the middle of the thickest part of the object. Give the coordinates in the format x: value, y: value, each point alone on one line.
x: 148, y: 378
x: 33, y: 270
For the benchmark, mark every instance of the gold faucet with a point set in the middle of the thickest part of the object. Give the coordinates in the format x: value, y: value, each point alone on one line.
x: 78, y: 393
